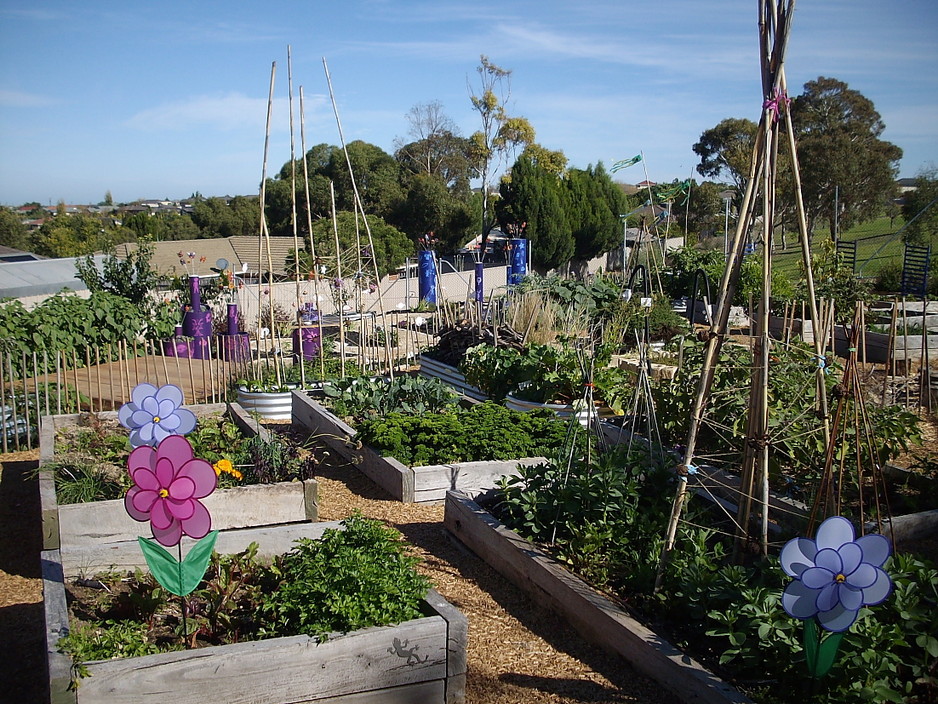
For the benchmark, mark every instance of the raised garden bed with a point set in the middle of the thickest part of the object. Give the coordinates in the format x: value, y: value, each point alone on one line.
x: 595, y: 617
x: 89, y: 535
x: 423, y: 660
x: 407, y: 484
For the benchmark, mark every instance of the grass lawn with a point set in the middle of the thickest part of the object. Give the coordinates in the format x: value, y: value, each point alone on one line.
x: 877, y: 246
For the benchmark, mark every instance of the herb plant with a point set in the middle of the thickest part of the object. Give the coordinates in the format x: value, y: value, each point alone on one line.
x: 348, y: 579
x: 486, y: 431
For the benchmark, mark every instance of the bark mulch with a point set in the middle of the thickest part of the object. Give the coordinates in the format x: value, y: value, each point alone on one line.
x: 519, y: 653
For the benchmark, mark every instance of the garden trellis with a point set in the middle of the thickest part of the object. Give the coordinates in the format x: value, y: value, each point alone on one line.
x: 774, y: 28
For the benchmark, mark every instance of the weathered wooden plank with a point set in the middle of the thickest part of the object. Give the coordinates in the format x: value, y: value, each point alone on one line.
x: 248, y: 424
x: 418, y: 693
x: 125, y: 555
x: 280, y: 670
x: 595, y: 617
x: 457, y: 635
x: 56, y: 614
x: 386, y: 472
x: 237, y: 507
x: 911, y: 526
x: 47, y: 500
x: 473, y: 478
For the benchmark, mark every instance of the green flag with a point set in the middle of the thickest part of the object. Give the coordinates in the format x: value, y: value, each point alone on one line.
x: 625, y: 163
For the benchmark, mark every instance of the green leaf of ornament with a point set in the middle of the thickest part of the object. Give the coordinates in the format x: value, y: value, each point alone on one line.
x: 195, y: 562
x: 178, y: 578
x: 827, y: 653
x: 810, y: 645
x: 163, y: 566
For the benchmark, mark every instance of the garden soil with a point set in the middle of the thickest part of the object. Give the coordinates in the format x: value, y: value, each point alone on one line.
x: 518, y: 653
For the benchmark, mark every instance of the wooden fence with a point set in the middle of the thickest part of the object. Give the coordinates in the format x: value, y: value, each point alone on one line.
x: 42, y: 382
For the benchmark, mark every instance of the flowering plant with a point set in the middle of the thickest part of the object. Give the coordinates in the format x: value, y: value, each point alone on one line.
x: 189, y: 262
x: 834, y: 576
x: 428, y: 241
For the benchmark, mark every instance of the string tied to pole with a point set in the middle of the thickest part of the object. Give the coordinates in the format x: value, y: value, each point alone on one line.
x: 774, y: 103
x: 822, y: 363
x: 685, y: 470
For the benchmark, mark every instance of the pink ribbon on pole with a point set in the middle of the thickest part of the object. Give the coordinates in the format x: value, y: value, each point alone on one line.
x: 774, y: 103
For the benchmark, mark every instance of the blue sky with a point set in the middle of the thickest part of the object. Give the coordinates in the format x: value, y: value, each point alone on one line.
x: 162, y: 99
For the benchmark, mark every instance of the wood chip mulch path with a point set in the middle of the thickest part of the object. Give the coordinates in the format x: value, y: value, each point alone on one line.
x: 518, y: 652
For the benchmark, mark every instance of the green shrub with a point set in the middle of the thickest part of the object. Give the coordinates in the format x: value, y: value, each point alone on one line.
x: 486, y: 431
x: 347, y: 580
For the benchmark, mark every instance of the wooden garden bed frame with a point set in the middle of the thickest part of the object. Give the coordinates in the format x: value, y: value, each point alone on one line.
x: 595, y: 617
x: 89, y: 535
x: 427, y: 484
x: 420, y: 660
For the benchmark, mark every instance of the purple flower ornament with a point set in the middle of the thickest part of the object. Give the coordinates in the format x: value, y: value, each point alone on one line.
x: 168, y: 483
x: 835, y: 574
x: 154, y: 413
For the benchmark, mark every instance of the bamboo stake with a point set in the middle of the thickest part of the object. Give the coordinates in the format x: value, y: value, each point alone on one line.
x: 772, y: 73
x: 15, y: 413
x: 58, y: 385
x: 163, y: 357
x: 312, y: 241
x: 97, y: 369
x: 75, y: 376
x: 358, y: 201
x: 3, y: 388
x: 38, y: 413
x: 340, y: 282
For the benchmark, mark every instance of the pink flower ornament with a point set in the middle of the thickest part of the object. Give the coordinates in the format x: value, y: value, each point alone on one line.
x: 168, y: 483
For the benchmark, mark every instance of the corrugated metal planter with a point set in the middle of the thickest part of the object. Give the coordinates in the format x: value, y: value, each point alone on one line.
x: 272, y: 405
x: 449, y: 375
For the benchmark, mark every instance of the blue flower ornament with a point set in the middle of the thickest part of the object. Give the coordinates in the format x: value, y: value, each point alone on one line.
x: 835, y: 574
x: 154, y: 413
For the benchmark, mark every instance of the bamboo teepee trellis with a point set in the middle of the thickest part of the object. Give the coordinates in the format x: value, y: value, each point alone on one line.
x: 774, y: 27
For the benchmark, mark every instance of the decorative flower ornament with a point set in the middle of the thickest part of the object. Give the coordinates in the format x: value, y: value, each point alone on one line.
x: 154, y: 413
x: 835, y: 574
x: 168, y: 483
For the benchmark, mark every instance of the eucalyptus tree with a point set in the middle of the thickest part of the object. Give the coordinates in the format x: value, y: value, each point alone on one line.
x: 500, y: 134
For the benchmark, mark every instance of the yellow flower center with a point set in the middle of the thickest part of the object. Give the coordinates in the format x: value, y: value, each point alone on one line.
x: 164, y: 493
x: 156, y: 419
x: 840, y: 578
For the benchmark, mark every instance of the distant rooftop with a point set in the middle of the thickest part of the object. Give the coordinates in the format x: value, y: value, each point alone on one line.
x: 40, y: 277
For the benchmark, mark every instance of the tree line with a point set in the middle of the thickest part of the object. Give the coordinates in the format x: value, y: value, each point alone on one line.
x: 847, y: 175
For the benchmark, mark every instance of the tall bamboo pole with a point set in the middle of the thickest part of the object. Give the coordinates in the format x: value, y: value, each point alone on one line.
x: 776, y: 24
x: 264, y: 234
x: 358, y: 203
x: 339, y: 282
x: 312, y: 242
